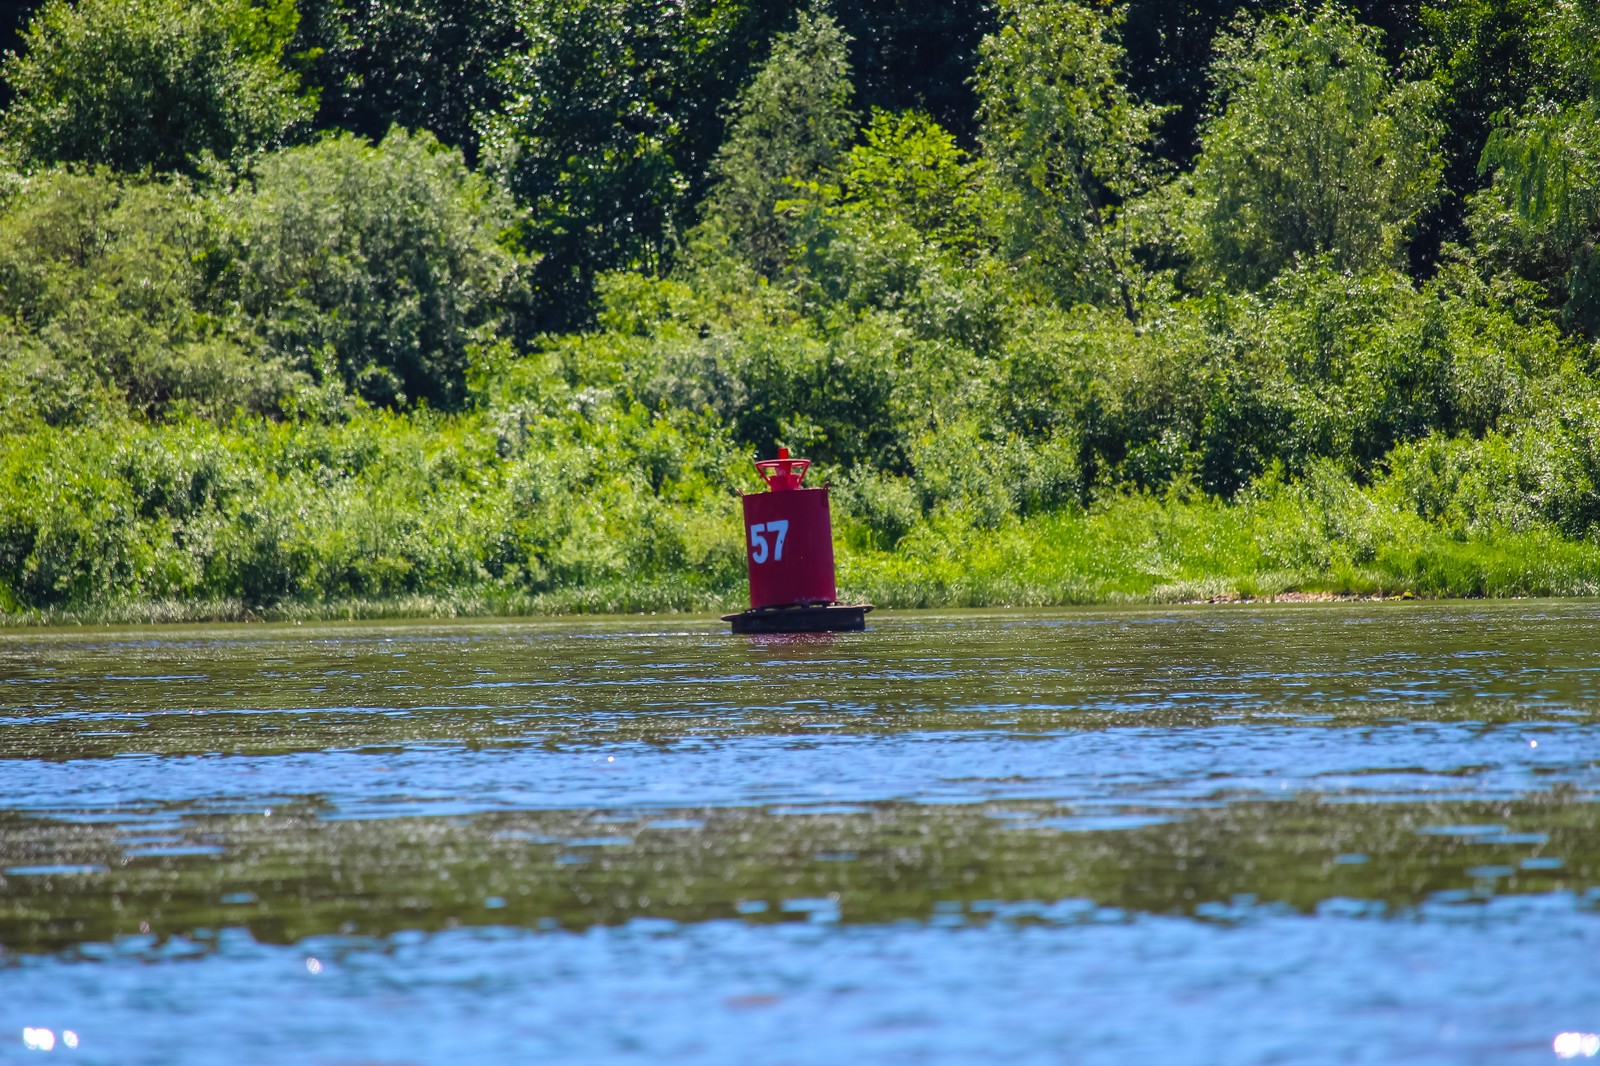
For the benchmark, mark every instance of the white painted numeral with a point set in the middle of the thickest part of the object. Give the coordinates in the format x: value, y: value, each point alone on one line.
x: 759, y: 549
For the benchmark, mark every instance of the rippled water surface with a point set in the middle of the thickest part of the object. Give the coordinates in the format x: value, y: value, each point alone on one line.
x: 1224, y: 835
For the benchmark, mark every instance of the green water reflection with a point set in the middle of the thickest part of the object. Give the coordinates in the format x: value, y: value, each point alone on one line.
x: 271, y: 690
x: 294, y: 874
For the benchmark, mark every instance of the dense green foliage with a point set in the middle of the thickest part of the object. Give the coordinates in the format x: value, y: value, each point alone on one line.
x: 377, y: 269
x: 421, y: 64
x: 787, y: 125
x: 1313, y: 149
x: 152, y: 83
x: 383, y: 260
x: 337, y: 302
x: 1067, y: 143
x: 105, y: 306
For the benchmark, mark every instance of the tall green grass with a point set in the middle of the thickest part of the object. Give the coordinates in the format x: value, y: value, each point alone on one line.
x: 1133, y: 548
x: 1143, y: 549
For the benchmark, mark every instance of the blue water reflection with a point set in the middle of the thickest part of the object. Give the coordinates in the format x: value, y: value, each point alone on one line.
x: 1496, y: 985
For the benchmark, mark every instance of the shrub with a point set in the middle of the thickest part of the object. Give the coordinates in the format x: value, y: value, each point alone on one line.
x: 105, y: 290
x: 1312, y: 149
x: 387, y: 257
x: 132, y: 84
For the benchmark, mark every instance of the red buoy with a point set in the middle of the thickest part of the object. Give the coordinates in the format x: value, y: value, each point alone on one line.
x: 788, y: 537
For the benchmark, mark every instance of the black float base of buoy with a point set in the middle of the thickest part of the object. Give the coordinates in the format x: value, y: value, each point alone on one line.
x: 824, y: 618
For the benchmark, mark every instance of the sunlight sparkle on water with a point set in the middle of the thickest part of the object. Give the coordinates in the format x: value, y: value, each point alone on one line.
x: 1572, y: 1045
x: 40, y: 1039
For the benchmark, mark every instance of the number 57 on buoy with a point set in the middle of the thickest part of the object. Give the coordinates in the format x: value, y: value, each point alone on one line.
x: 789, y: 549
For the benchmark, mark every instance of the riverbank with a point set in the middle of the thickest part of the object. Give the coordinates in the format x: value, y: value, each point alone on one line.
x: 1130, y: 550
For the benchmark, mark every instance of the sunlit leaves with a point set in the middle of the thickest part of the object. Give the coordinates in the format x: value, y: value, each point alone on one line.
x: 152, y: 83
x: 1066, y: 141
x: 1313, y: 149
x: 786, y: 126
x: 385, y: 259
x: 906, y: 166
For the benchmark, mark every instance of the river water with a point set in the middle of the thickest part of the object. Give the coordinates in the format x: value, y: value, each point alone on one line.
x: 1230, y: 835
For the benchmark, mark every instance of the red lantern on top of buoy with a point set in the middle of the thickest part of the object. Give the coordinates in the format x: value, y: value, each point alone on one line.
x: 788, y: 536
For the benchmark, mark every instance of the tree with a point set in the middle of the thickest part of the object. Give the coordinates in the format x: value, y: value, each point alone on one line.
x: 1489, y: 61
x: 897, y: 224
x: 1541, y: 215
x: 1066, y: 141
x: 907, y: 166
x: 152, y: 83
x: 1313, y: 149
x: 787, y: 126
x: 609, y: 116
x: 384, y: 261
x: 421, y: 64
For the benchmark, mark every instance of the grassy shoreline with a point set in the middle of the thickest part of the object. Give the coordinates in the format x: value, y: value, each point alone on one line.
x: 468, y: 605
x: 1135, y: 550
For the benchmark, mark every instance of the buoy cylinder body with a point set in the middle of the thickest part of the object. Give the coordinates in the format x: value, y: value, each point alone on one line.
x: 788, y: 539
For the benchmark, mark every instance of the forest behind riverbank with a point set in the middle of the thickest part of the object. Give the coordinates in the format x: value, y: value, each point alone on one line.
x: 335, y: 308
